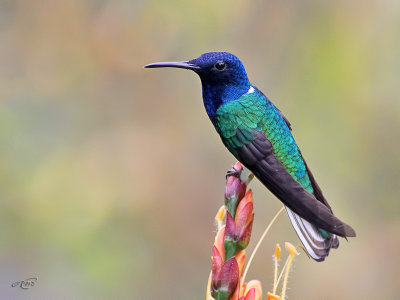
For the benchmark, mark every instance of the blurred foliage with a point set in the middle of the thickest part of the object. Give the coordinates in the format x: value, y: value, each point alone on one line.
x: 106, y: 167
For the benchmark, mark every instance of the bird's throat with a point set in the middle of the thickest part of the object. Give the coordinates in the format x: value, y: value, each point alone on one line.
x: 214, y: 96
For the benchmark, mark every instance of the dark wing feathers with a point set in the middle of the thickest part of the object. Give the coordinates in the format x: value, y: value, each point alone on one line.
x: 317, y: 190
x: 258, y: 156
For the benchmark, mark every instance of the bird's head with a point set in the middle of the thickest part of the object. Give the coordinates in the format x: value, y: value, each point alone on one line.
x: 222, y: 75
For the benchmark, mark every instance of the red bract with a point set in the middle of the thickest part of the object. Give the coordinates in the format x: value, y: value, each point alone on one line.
x: 225, y: 277
x: 234, y: 188
x: 252, y: 290
x: 228, y: 252
x: 250, y: 295
x: 238, y: 229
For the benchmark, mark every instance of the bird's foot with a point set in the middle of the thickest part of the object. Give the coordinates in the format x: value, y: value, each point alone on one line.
x: 239, y: 171
x: 234, y: 172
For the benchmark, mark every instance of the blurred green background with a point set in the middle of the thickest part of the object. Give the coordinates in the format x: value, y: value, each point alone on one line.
x: 110, y: 174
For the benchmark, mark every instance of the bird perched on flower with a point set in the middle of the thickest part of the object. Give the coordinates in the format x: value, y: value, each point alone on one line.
x: 260, y: 137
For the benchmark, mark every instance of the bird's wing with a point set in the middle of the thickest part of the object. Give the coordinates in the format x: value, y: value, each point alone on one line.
x: 243, y: 126
x: 316, y: 189
x: 258, y: 156
x: 316, y: 244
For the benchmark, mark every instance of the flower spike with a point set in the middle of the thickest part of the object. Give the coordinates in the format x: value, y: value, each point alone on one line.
x: 227, y: 277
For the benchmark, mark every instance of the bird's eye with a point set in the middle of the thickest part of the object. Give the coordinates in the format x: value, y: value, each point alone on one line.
x: 220, y: 65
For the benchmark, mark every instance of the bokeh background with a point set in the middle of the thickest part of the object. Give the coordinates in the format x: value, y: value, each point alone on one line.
x: 110, y: 174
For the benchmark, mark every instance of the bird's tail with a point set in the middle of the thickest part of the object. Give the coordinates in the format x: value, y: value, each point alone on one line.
x: 313, y: 240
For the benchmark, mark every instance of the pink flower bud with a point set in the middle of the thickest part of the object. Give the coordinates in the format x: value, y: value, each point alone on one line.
x: 224, y: 279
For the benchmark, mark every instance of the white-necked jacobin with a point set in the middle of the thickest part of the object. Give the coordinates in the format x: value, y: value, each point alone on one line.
x: 260, y: 137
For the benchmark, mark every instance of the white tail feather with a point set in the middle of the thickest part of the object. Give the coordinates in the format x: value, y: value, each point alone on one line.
x: 316, y: 245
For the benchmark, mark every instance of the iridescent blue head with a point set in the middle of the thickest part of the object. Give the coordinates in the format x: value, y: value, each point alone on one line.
x: 222, y: 75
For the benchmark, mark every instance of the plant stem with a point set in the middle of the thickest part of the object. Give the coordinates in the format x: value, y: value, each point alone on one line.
x: 283, y: 269
x: 286, y: 276
x: 275, y: 276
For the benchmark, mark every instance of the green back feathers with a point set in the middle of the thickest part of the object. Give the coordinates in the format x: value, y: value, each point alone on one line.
x: 253, y: 111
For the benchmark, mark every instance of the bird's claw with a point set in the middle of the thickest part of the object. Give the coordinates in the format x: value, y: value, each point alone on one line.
x: 234, y: 172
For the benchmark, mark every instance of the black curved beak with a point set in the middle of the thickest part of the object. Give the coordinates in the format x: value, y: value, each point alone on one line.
x: 174, y: 64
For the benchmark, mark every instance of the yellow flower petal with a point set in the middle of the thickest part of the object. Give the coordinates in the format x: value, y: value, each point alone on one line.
x: 273, y: 297
x: 240, y: 258
x: 292, y: 249
x: 220, y: 215
x: 277, y: 253
x: 219, y: 242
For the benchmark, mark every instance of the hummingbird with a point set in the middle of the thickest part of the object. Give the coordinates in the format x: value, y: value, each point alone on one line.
x: 256, y: 132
